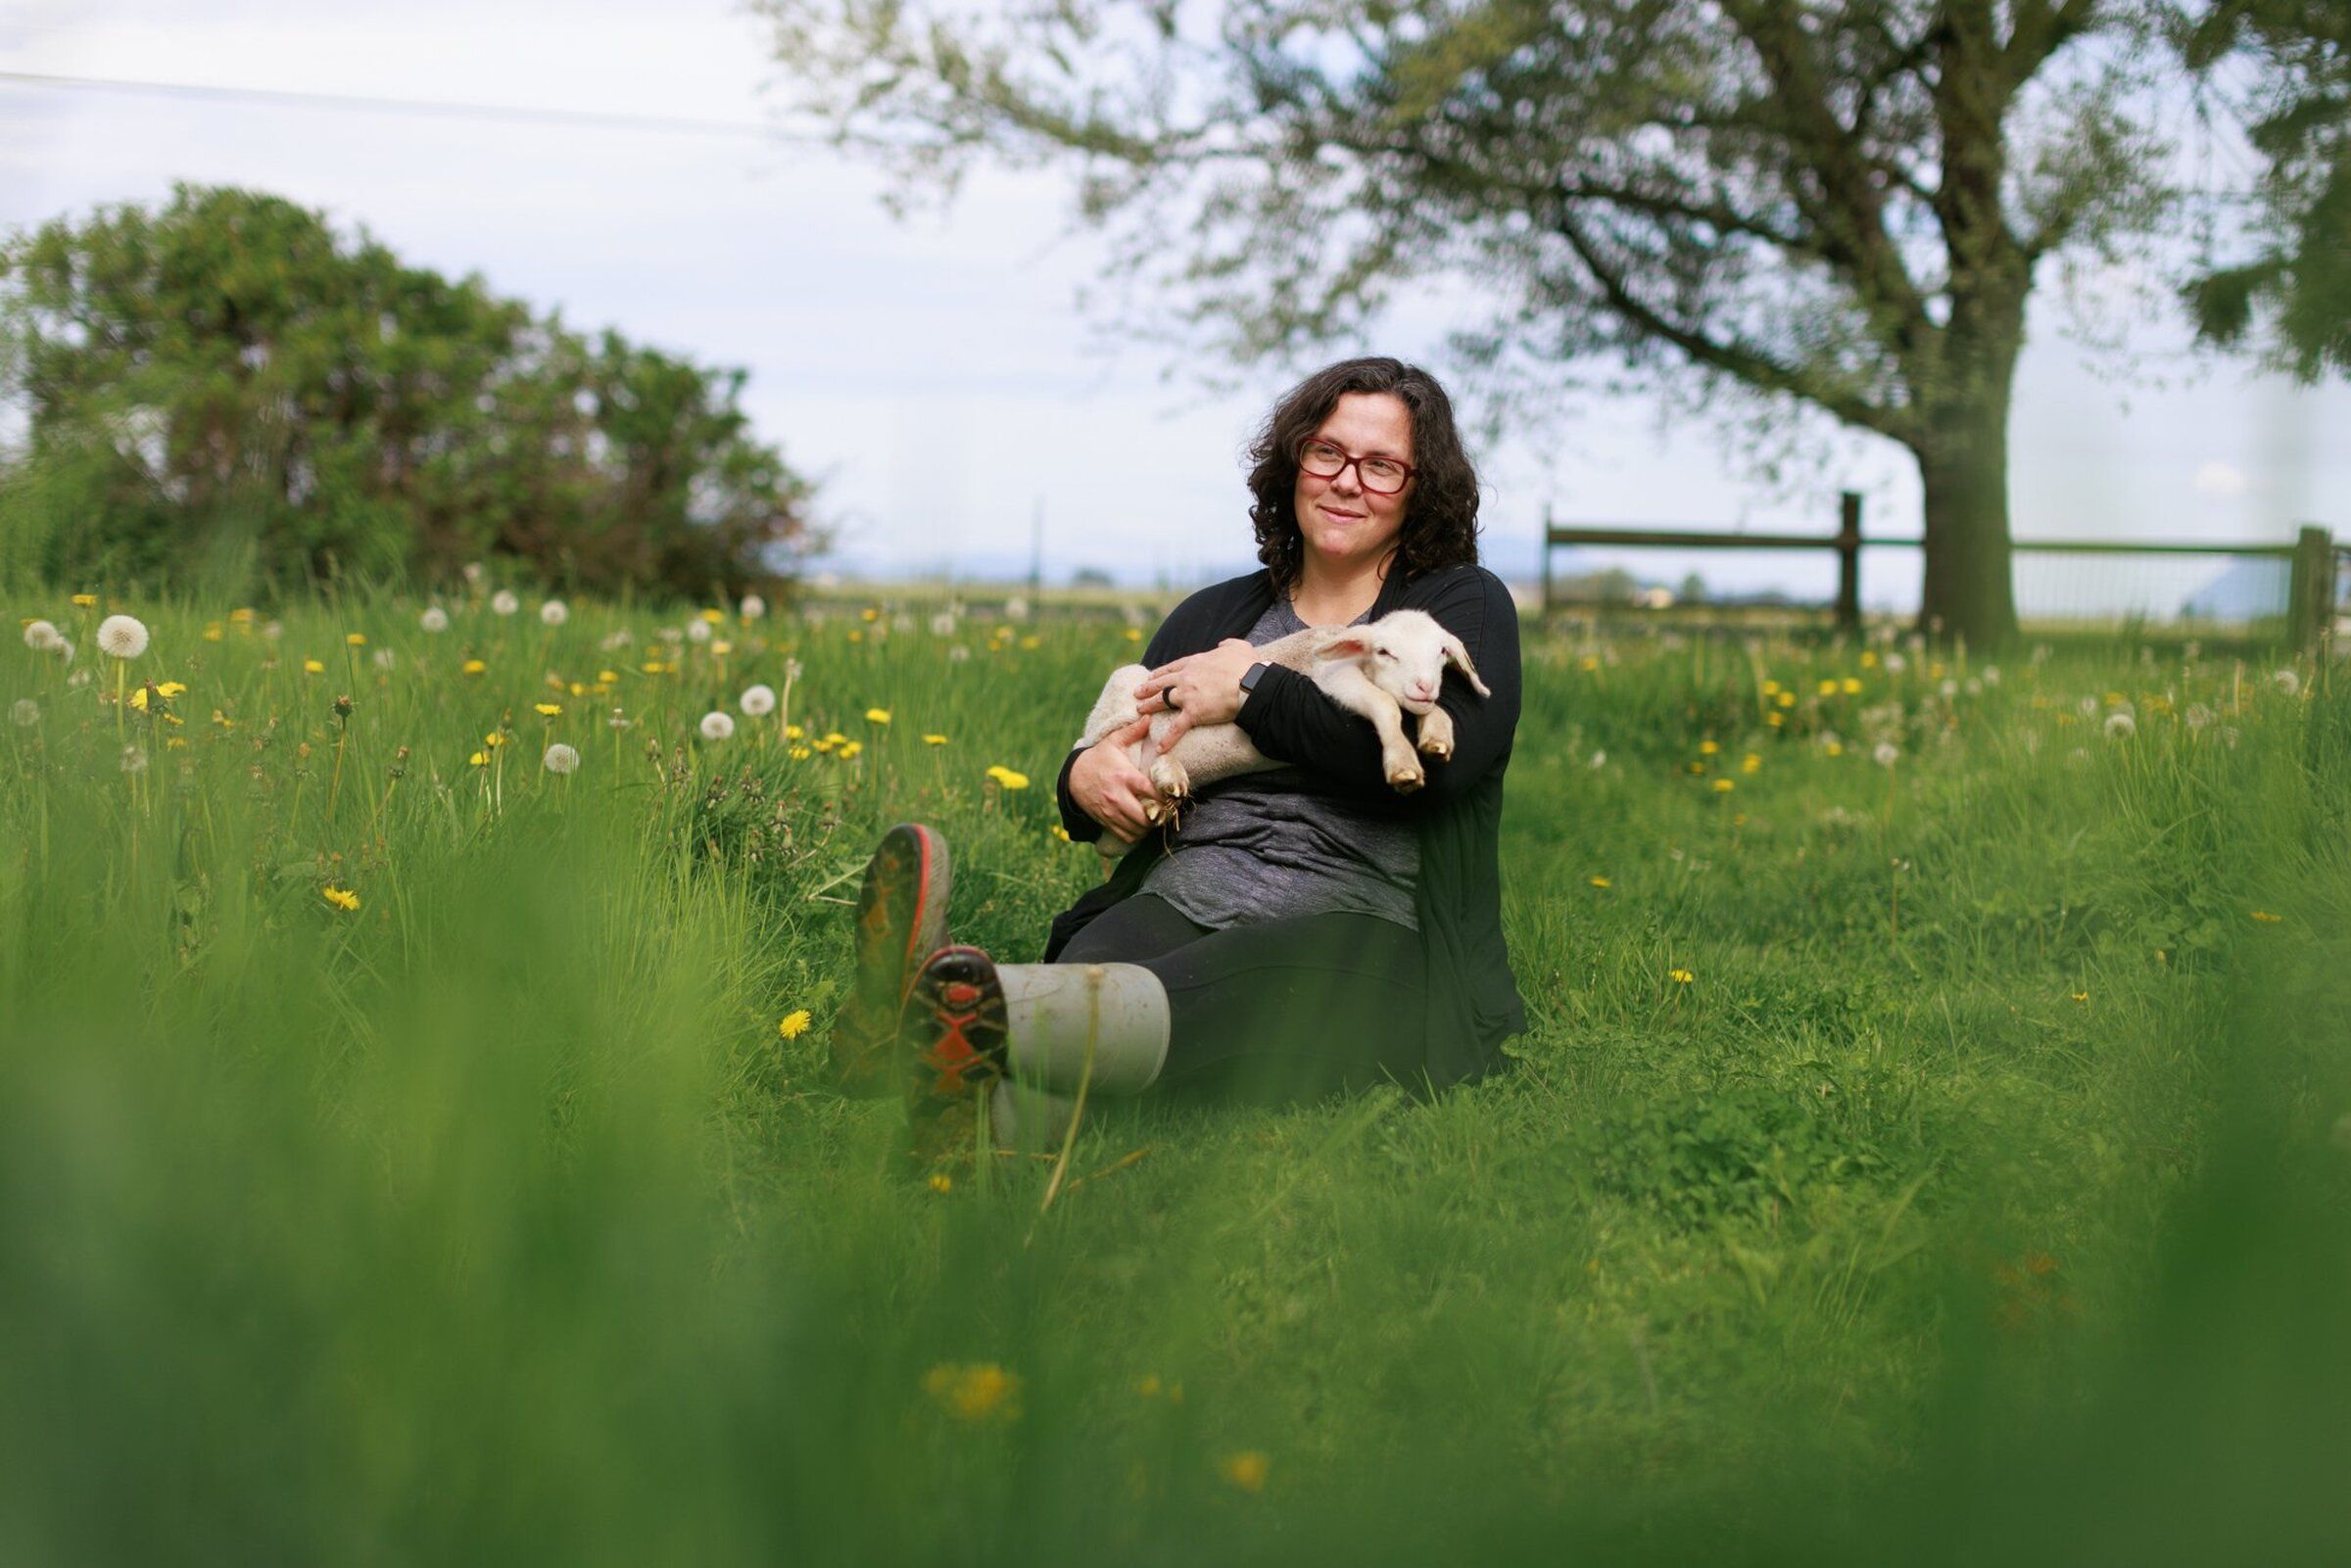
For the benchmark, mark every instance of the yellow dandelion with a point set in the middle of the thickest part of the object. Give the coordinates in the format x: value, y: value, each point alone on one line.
x: 212, y: 632
x: 980, y: 1391
x: 480, y: 759
x: 1246, y: 1469
x: 312, y: 667
x: 1826, y: 689
x: 856, y: 635
x: 1008, y: 778
x: 1786, y: 700
x: 652, y: 667
x: 494, y: 740
x: 607, y: 678
x: 1869, y: 660
x: 1775, y: 720
x: 138, y: 699
x: 2081, y: 996
x: 1771, y: 689
x: 940, y: 1181
x: 1753, y: 762
x: 798, y: 753
x: 850, y: 750
x: 1588, y: 663
x: 877, y: 715
x: 170, y: 689
x: 1707, y: 748
x: 934, y: 741
x: 473, y: 666
x: 341, y: 897
x: 714, y: 616
x: 1850, y: 686
x: 793, y: 732
x: 1135, y: 634
x: 85, y: 601
x: 1835, y: 748
x: 548, y: 709
x: 1680, y: 976
x: 1599, y: 882
x: 794, y: 1023
x: 356, y: 640
x: 869, y: 614
x: 1147, y: 1386
x: 1060, y: 833
x: 722, y: 647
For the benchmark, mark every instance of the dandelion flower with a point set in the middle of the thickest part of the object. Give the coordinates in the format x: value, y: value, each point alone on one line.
x: 2121, y: 725
x: 1707, y: 748
x: 940, y: 1181
x: 752, y: 606
x: 1060, y: 833
x: 1246, y: 1469
x: 1008, y: 778
x: 1680, y: 976
x: 757, y: 701
x: 1886, y: 754
x: 480, y: 759
x: 356, y: 640
x: 1723, y: 786
x: 877, y: 716
x: 934, y: 741
x: 980, y: 1391
x: 697, y: 630
x: 794, y: 1023
x: 123, y: 636
x: 312, y: 667
x: 546, y: 711
x: 434, y: 618
x: 86, y: 602
x: 717, y: 725
x: 505, y: 602
x: 1599, y: 882
x: 560, y: 758
x: 41, y: 636
x: 25, y: 711
x: 850, y: 749
x: 474, y: 666
x: 342, y: 898
x: 555, y: 612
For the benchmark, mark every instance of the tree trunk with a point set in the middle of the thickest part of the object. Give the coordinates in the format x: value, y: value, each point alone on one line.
x: 1969, y: 591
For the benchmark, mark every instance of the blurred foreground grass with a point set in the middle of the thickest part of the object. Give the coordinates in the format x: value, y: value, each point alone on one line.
x: 1940, y: 1158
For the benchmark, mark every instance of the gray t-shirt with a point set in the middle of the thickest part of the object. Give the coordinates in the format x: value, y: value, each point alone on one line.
x: 1267, y: 845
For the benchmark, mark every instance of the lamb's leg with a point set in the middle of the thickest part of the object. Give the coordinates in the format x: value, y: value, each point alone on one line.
x: 1351, y: 689
x: 1436, y: 734
x: 1116, y: 707
x: 1206, y: 755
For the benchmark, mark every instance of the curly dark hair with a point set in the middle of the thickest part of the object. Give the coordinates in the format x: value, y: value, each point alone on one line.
x: 1440, y: 523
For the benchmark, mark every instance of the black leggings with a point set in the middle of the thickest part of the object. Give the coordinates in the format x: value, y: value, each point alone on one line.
x: 1281, y: 1010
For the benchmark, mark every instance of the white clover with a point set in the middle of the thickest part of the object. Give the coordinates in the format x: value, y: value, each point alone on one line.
x: 2119, y: 726
x: 697, y: 630
x: 434, y: 618
x: 555, y: 612
x: 123, y: 636
x: 2288, y: 682
x: 717, y: 725
x: 134, y: 759
x: 25, y: 711
x: 1887, y: 754
x: 757, y: 701
x: 560, y: 758
x: 505, y: 601
x: 753, y: 606
x: 41, y: 636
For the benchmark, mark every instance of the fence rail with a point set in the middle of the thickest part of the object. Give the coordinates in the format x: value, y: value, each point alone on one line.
x: 2310, y: 592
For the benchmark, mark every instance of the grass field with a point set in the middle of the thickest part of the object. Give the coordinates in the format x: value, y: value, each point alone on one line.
x: 1931, y: 1143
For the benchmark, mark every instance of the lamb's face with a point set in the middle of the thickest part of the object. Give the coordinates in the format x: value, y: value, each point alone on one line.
x: 1405, y: 652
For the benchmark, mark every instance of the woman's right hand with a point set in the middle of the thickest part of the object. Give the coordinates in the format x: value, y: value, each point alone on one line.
x: 1110, y: 788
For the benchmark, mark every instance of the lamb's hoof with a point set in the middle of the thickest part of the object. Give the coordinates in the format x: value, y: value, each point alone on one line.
x: 1406, y: 780
x: 1436, y: 746
x: 1171, y: 781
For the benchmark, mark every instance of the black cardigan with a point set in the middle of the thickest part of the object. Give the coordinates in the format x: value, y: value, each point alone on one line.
x: 1473, y: 1000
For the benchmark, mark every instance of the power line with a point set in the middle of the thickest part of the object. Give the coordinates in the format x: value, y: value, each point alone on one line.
x: 430, y: 109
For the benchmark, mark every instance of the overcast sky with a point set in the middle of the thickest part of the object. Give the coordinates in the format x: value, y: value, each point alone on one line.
x: 936, y: 373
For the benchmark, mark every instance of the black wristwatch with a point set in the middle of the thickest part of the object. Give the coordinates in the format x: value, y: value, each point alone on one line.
x: 1250, y: 675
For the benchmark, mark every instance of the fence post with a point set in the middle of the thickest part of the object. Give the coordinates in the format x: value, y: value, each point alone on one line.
x: 1547, y: 560
x: 1848, y: 562
x: 2309, y: 590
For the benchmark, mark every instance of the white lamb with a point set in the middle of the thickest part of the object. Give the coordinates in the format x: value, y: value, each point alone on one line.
x: 1382, y: 670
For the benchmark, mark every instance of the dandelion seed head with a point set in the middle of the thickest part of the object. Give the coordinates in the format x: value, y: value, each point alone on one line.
x: 697, y: 630
x: 62, y: 647
x: 123, y: 636
x: 717, y: 725
x: 560, y: 758
x: 385, y: 658
x: 41, y: 636
x: 434, y: 618
x: 943, y: 624
x: 134, y: 759
x: 473, y: 572
x: 757, y: 701
x: 25, y: 711
x: 555, y: 612
x: 505, y: 601
x: 2287, y: 682
x: 2119, y: 726
x: 78, y: 679
x: 753, y: 607
x: 1886, y: 754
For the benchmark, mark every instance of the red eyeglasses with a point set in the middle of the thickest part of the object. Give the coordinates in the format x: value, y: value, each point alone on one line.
x: 1381, y: 476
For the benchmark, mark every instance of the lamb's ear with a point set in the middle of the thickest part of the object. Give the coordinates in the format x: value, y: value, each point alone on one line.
x: 1348, y: 645
x: 1459, y: 657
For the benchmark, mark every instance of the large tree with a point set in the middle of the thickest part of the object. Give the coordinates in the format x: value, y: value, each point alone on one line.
x: 2282, y: 69
x: 225, y: 390
x: 1843, y: 203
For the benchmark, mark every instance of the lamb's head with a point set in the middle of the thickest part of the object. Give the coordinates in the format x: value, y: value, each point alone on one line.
x: 1405, y: 652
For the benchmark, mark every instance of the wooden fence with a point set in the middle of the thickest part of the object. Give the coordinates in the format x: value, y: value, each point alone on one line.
x: 2311, y: 591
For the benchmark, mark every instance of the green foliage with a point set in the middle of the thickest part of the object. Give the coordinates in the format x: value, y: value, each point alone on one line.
x: 224, y: 394
x: 1944, y: 1215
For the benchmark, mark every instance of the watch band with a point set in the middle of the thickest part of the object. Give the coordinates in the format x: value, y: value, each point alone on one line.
x: 1250, y: 676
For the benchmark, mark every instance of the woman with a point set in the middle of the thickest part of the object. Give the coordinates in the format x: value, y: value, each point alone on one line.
x: 1303, y: 930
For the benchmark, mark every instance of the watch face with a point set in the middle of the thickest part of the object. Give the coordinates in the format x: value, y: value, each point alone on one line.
x: 1250, y: 675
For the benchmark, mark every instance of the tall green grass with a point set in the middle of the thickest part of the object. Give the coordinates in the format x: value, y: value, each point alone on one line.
x: 1981, y: 1195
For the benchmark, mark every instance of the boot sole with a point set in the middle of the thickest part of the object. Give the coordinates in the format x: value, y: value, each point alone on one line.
x: 901, y: 915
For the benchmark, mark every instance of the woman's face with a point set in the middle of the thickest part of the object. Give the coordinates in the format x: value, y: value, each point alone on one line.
x: 1346, y: 527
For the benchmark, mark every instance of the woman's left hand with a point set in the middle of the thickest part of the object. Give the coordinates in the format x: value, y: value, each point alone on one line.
x: 1205, y: 688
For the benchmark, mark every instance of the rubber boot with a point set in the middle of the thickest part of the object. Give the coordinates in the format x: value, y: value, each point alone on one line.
x: 1058, y: 1016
